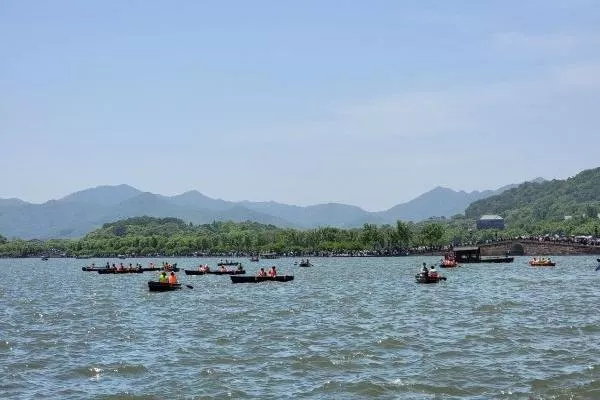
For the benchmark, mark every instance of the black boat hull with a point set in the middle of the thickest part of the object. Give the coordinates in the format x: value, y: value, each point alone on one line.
x: 420, y: 278
x: 163, y: 286
x: 257, y: 279
x: 195, y: 272
x: 116, y: 271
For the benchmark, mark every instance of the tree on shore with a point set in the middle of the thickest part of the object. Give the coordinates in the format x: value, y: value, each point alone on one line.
x: 404, y: 234
x: 432, y: 234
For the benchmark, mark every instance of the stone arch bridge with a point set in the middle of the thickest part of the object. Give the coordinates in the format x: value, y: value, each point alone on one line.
x: 536, y: 248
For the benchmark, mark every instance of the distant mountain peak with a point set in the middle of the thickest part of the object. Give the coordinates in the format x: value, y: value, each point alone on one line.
x: 192, y: 192
x: 193, y: 198
x: 103, y: 195
x: 80, y: 212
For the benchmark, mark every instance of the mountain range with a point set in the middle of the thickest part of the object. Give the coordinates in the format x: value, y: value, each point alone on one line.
x: 81, y: 212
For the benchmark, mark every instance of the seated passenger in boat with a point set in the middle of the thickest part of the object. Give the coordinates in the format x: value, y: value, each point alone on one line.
x: 424, y: 269
x: 262, y: 272
x: 432, y: 272
x: 172, y: 278
x: 272, y: 272
x: 223, y: 268
x: 163, y: 277
x: 240, y: 268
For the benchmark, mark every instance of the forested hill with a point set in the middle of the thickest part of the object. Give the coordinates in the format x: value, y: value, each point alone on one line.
x: 169, y: 227
x: 530, y: 203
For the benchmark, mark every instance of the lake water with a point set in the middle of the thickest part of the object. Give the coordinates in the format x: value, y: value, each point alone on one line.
x: 347, y: 328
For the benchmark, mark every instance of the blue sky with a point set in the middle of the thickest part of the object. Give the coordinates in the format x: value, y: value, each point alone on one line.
x: 369, y: 103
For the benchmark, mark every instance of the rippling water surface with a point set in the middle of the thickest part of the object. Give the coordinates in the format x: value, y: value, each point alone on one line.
x: 347, y: 328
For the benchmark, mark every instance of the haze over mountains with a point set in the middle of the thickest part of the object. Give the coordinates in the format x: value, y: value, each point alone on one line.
x: 81, y: 212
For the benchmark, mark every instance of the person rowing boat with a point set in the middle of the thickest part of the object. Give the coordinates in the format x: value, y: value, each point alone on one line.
x: 204, y: 268
x: 162, y: 277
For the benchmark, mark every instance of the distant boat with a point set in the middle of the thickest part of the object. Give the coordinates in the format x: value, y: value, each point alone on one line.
x: 229, y: 263
x: 448, y: 261
x: 254, y: 259
x: 231, y: 272
x: 44, y: 258
x: 256, y: 279
x: 270, y: 256
x: 541, y: 263
x: 465, y: 255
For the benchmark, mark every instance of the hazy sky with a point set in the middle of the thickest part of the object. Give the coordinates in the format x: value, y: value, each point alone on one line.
x: 369, y: 103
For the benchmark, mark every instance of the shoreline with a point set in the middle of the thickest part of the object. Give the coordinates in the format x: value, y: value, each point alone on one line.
x: 416, y: 254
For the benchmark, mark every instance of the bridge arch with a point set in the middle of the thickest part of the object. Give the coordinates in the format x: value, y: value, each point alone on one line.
x: 517, y: 249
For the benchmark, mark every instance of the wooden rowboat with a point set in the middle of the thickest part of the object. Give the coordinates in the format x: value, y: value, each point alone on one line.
x: 154, y: 286
x: 422, y: 278
x: 117, y: 271
x: 542, y: 263
x: 449, y: 264
x: 256, y: 279
x: 196, y: 272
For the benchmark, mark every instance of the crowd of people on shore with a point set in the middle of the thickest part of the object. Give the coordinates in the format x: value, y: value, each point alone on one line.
x: 556, y: 239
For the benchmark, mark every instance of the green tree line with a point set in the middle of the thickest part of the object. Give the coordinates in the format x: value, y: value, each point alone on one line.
x: 148, y: 236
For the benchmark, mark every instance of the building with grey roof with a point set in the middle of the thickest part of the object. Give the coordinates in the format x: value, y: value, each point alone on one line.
x: 490, y: 222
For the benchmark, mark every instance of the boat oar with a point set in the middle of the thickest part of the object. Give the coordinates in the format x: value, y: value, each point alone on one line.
x: 598, y: 268
x: 189, y: 286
